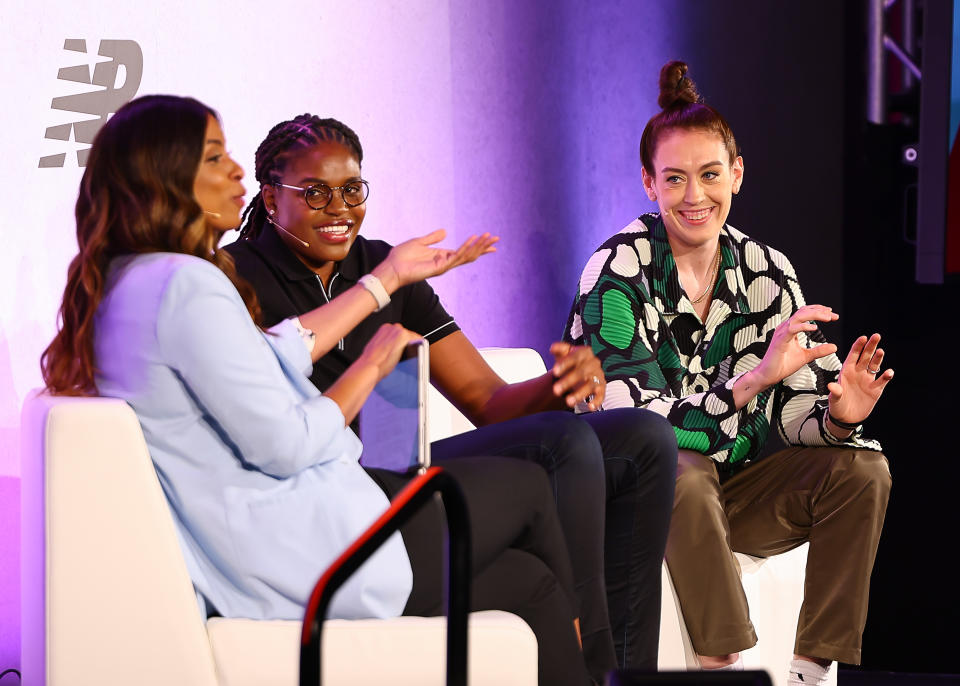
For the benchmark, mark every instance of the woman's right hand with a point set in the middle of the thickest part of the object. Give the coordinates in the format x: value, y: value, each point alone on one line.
x: 417, y: 259
x: 785, y: 355
x: 383, y: 351
x: 378, y: 359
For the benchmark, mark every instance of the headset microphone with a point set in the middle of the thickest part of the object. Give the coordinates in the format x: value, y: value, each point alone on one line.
x: 215, y: 214
x: 296, y: 238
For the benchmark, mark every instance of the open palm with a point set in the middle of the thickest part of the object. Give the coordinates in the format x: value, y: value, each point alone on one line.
x: 417, y: 259
x: 858, y: 388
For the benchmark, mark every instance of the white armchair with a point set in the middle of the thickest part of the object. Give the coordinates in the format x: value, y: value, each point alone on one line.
x: 106, y: 598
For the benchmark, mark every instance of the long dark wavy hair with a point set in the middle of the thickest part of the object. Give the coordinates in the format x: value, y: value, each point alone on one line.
x: 136, y: 196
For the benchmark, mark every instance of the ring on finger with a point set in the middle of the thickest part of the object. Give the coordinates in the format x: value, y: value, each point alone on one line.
x: 873, y: 371
x: 596, y: 380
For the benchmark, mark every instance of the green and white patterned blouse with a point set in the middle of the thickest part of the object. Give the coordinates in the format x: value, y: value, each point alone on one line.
x: 657, y: 354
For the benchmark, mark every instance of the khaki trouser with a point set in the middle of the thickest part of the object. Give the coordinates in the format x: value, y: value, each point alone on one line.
x: 835, y: 498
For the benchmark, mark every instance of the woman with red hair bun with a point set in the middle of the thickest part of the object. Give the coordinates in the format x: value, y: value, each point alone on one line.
x: 702, y: 324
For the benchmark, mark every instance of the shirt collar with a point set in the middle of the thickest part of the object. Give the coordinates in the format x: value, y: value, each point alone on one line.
x: 285, y: 260
x: 731, y: 288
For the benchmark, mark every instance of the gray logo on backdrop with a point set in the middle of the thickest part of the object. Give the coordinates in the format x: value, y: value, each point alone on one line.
x: 103, y: 101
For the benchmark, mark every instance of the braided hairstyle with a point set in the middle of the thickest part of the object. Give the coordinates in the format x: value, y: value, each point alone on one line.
x: 275, y: 151
x: 682, y: 108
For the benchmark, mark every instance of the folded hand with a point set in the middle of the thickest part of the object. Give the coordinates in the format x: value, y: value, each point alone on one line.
x: 579, y: 375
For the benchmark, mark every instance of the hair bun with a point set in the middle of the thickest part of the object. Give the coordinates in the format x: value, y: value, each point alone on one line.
x: 676, y: 88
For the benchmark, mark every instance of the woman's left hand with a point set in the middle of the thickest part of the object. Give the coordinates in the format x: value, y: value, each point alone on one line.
x: 579, y: 375
x: 858, y: 388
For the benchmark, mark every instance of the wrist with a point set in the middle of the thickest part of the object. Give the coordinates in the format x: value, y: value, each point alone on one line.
x: 375, y: 287
x: 845, y: 426
x: 366, y: 370
x: 388, y: 277
x: 752, y: 381
x: 837, y: 432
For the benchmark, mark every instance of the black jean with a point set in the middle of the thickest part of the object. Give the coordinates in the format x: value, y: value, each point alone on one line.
x: 519, y: 558
x: 627, y: 460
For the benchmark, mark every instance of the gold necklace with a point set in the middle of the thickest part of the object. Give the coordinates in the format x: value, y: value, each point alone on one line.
x: 713, y: 280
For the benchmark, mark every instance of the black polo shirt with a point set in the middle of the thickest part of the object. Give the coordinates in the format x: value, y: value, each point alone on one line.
x: 287, y: 288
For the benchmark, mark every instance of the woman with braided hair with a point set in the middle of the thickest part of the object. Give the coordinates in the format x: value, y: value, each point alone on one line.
x: 260, y: 470
x: 611, y: 474
x: 698, y: 322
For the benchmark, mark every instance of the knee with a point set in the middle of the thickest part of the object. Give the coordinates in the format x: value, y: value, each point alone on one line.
x: 659, y: 433
x: 572, y: 444
x: 645, y: 436
x: 661, y: 440
x: 869, y: 471
x: 533, y: 579
x: 696, y: 488
x: 516, y: 581
x: 525, y: 477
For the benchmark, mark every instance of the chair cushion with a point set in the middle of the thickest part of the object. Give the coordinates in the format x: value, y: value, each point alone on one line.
x: 400, y: 651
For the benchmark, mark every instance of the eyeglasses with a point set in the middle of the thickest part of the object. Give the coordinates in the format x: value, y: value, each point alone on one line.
x: 319, y: 195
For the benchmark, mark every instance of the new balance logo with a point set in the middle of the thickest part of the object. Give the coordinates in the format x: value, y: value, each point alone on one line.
x: 105, y: 99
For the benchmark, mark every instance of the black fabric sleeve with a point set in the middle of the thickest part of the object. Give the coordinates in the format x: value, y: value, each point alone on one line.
x: 424, y: 313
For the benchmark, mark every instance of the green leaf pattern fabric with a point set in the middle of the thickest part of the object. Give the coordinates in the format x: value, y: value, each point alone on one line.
x: 658, y: 354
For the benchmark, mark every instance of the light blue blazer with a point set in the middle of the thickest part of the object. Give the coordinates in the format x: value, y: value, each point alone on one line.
x: 260, y: 472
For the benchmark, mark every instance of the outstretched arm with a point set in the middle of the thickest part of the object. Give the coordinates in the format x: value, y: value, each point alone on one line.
x: 407, y: 263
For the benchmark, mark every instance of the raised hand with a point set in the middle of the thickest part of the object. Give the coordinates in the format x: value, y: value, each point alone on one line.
x: 785, y: 355
x: 858, y: 388
x: 579, y: 375
x: 417, y: 259
x: 384, y: 349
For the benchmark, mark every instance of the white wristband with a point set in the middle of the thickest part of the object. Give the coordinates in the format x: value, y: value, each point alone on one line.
x: 379, y: 293
x: 308, y: 337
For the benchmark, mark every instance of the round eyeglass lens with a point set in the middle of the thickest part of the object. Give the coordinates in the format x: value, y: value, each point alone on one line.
x: 355, y: 193
x: 318, y: 196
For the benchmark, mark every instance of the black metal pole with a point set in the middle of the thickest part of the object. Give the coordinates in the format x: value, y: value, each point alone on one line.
x: 416, y: 494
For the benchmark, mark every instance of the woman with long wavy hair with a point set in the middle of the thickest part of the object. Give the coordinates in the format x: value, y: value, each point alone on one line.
x: 260, y: 470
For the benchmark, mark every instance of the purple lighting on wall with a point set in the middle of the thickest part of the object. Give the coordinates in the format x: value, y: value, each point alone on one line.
x: 9, y: 572
x: 549, y: 101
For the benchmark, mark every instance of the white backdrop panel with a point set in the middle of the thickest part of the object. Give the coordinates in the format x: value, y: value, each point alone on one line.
x: 382, y: 67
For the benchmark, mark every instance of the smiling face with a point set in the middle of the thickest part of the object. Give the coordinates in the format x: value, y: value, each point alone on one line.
x: 217, y: 186
x: 329, y: 233
x: 693, y: 182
